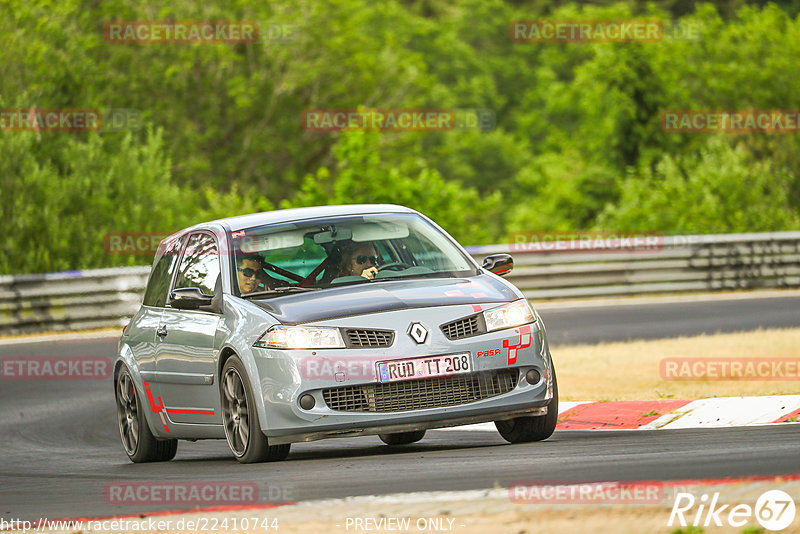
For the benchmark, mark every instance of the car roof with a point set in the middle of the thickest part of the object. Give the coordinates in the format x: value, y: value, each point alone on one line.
x: 297, y: 214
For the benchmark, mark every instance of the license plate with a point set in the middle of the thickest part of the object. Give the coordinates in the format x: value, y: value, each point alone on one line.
x: 431, y: 366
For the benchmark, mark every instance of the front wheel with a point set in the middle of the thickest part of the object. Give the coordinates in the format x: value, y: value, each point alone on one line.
x: 139, y: 443
x: 240, y: 418
x: 528, y: 429
x: 402, y: 438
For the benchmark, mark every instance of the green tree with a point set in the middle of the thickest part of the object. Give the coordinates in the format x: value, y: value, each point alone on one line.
x: 59, y: 210
x: 720, y: 190
x: 360, y: 177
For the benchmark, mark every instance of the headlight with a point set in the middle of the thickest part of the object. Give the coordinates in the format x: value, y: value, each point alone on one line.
x: 300, y: 337
x: 509, y: 315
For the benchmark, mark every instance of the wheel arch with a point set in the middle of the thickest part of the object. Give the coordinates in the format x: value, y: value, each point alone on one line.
x: 224, y: 355
x: 126, y: 359
x: 252, y: 377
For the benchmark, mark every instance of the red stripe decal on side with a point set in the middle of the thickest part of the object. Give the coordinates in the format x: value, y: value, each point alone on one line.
x: 195, y: 412
x: 156, y: 409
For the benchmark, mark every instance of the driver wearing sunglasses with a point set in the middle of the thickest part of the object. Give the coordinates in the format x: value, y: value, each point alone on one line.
x: 360, y: 260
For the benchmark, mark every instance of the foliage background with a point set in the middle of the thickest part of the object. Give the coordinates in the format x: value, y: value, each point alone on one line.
x: 577, y: 144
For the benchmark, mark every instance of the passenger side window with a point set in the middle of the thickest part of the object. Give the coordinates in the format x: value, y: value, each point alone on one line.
x: 158, y: 284
x: 200, y: 264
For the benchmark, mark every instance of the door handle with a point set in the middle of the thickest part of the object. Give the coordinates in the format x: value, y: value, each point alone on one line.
x: 161, y: 331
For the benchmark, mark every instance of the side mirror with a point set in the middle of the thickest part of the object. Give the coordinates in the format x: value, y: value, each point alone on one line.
x: 499, y: 264
x: 189, y: 298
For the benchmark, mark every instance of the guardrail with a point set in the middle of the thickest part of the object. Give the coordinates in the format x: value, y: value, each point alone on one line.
x: 78, y: 300
x: 577, y: 269
x: 72, y: 300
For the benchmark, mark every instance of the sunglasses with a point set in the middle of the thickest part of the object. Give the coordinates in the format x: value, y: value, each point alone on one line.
x: 248, y: 272
x: 361, y: 260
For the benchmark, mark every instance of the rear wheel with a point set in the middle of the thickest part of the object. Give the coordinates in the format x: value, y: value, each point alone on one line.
x: 139, y: 443
x: 240, y: 418
x: 402, y: 438
x: 528, y: 429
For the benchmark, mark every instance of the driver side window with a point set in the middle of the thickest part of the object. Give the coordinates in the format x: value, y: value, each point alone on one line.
x: 200, y: 264
x: 160, y: 278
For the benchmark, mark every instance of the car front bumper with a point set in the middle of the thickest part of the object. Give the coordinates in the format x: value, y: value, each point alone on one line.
x: 286, y: 375
x: 416, y: 424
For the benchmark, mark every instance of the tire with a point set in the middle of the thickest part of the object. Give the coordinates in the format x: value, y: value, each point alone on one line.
x: 240, y: 418
x: 402, y: 438
x: 139, y: 443
x: 528, y: 429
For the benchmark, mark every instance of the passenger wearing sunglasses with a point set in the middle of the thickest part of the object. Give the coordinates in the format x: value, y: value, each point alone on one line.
x: 252, y: 277
x: 360, y: 260
x: 248, y: 269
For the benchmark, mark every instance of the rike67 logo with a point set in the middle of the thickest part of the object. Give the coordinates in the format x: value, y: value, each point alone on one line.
x: 774, y: 510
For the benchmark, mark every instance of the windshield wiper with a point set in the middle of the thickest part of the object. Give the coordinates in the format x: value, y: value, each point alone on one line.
x: 281, y: 291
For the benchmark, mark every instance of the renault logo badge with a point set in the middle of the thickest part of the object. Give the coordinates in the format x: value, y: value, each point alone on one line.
x: 418, y: 332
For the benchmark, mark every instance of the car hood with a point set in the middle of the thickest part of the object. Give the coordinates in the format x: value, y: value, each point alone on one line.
x: 383, y: 296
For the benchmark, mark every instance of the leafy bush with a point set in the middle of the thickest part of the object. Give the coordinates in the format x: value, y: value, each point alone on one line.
x: 360, y: 177
x: 58, y: 210
x: 577, y: 144
x: 720, y: 190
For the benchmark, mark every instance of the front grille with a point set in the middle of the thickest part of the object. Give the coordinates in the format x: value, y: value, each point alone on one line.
x: 420, y: 394
x: 462, y: 328
x: 370, y: 338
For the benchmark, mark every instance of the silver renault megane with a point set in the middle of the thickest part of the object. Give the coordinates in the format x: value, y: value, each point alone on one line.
x: 334, y: 321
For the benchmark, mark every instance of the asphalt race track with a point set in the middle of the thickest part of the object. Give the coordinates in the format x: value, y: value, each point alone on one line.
x: 60, y: 445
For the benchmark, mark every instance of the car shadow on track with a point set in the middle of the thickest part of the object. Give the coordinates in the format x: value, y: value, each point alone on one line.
x: 364, y: 447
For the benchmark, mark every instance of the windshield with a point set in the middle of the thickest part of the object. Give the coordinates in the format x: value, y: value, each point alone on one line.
x: 321, y: 253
